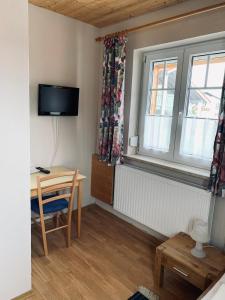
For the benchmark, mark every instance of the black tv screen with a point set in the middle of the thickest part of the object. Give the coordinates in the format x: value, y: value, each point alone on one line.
x: 56, y: 100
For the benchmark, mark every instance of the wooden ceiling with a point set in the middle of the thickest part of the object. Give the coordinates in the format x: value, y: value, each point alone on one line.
x: 101, y: 13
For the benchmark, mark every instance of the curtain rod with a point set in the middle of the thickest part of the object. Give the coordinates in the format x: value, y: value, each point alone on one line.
x: 166, y: 20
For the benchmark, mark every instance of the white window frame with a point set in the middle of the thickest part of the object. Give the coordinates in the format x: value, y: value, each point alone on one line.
x: 160, y: 55
x: 184, y: 56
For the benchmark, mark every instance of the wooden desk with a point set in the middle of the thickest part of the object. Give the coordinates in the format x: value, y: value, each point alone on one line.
x: 58, y: 169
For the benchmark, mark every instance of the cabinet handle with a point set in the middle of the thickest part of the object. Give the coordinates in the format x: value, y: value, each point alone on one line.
x: 181, y: 272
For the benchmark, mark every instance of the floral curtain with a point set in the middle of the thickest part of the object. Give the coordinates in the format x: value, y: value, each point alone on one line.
x: 111, y: 120
x: 217, y: 173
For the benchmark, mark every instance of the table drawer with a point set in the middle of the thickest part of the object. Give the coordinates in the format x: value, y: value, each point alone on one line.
x: 185, y: 272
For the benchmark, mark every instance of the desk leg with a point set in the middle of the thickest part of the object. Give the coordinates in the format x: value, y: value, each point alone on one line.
x: 159, y: 269
x: 79, y: 204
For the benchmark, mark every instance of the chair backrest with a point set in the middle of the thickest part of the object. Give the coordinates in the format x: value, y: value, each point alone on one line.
x: 63, y: 182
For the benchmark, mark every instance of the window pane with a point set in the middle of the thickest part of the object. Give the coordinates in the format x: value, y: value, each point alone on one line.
x: 204, y: 103
x: 170, y: 74
x: 158, y: 72
x: 161, y: 102
x: 157, y: 133
x: 203, y: 106
x: 197, y: 138
x: 198, y: 72
x: 216, y: 70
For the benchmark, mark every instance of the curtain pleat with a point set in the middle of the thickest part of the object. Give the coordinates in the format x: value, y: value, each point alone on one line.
x: 111, y: 127
x: 217, y: 172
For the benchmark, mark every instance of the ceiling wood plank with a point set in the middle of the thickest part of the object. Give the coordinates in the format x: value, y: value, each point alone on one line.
x: 133, y: 11
x: 101, y: 13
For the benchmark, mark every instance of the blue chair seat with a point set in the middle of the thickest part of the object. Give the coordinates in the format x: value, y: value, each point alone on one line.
x: 50, y: 207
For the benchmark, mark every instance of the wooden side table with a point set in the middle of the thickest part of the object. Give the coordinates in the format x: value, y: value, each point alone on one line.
x: 175, y: 254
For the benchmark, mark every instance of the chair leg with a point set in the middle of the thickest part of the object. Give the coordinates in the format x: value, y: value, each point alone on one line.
x: 69, y: 221
x: 57, y: 219
x: 44, y: 238
x: 69, y: 236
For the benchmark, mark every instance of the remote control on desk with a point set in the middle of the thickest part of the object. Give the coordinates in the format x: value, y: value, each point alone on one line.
x: 42, y: 170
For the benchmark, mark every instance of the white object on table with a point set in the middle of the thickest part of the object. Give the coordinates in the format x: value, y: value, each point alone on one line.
x: 200, y: 234
x: 33, y: 170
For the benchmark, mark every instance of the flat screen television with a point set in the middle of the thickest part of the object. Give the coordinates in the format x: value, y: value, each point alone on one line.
x: 54, y: 100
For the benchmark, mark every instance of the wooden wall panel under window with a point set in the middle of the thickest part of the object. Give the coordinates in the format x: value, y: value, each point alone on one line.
x: 102, y: 180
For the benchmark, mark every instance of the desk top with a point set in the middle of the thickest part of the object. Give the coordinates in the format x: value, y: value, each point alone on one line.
x: 53, y: 170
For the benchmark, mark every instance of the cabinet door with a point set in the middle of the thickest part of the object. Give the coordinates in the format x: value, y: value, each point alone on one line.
x: 102, y: 180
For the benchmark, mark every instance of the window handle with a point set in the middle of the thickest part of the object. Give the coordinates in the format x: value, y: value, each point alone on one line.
x: 180, y: 114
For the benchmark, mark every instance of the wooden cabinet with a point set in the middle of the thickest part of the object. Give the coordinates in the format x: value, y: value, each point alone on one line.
x: 175, y: 254
x: 102, y: 180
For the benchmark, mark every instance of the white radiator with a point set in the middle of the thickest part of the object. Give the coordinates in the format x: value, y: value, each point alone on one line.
x: 161, y: 204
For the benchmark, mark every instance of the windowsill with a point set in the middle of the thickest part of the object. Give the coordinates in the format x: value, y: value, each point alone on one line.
x: 163, y: 164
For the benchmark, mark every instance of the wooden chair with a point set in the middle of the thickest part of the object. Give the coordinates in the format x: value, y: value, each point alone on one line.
x: 54, y: 204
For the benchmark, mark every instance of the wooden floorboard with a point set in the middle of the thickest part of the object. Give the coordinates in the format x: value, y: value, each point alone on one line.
x: 109, y: 262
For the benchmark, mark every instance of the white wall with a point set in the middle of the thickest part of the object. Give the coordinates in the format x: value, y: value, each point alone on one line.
x: 204, y: 24
x: 15, y: 246
x: 63, y: 51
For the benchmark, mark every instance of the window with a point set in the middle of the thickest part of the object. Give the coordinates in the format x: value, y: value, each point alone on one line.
x: 160, y: 104
x: 182, y: 90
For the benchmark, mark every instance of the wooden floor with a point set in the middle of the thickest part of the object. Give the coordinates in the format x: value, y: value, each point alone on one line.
x: 110, y: 261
